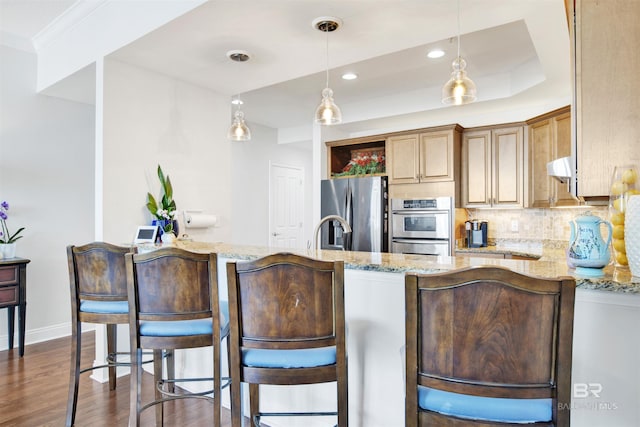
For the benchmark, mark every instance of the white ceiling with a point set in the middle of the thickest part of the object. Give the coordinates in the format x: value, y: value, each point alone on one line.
x: 517, y: 53
x: 26, y: 18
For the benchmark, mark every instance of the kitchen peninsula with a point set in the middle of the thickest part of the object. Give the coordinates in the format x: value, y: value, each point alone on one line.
x: 606, y: 375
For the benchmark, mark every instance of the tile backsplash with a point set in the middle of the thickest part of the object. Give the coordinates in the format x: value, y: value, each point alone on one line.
x: 532, y: 224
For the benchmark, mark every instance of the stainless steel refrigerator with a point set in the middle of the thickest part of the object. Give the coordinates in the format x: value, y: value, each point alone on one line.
x: 363, y: 203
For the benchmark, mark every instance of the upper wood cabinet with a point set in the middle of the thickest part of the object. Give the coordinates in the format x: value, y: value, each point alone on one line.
x: 431, y: 156
x: 493, y: 167
x: 607, y: 36
x: 549, y: 139
x: 403, y: 164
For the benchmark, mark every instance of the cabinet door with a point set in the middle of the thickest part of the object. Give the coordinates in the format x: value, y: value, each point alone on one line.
x: 540, y: 153
x: 402, y: 159
x: 476, y: 169
x: 607, y: 93
x: 436, y: 157
x: 508, y: 161
x: 562, y: 148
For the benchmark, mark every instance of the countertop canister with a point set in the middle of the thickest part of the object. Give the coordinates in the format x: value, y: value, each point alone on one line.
x: 632, y: 234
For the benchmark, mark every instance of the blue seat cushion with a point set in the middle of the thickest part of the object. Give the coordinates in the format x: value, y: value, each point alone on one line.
x: 303, y: 358
x: 485, y: 408
x: 179, y: 328
x: 104, y: 307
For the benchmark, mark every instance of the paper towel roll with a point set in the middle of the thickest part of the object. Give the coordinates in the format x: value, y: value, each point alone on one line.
x: 199, y: 220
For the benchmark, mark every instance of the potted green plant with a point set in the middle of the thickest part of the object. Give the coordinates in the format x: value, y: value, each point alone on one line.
x: 7, y: 240
x: 164, y: 211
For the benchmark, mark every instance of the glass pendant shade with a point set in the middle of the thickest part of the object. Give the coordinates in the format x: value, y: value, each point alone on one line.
x: 328, y: 113
x: 460, y: 89
x: 239, y: 131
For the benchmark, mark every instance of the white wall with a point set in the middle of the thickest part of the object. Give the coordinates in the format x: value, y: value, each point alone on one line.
x: 46, y: 174
x: 250, y: 176
x: 152, y: 119
x: 47, y: 171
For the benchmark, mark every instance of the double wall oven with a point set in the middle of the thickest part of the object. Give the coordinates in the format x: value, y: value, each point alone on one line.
x: 422, y: 226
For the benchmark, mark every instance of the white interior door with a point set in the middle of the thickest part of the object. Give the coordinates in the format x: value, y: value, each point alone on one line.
x: 286, y: 212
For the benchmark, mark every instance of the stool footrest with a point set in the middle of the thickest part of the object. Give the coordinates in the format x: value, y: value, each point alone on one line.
x: 112, y: 360
x: 169, y: 396
x: 256, y: 420
x: 226, y: 381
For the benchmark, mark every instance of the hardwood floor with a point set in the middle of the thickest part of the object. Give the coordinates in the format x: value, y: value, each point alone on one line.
x: 35, y: 388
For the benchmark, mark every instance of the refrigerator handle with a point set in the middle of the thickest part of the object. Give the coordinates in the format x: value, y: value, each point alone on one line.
x: 346, y: 237
x: 348, y: 211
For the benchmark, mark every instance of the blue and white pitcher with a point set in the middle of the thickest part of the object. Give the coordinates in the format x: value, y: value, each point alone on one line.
x: 587, y: 248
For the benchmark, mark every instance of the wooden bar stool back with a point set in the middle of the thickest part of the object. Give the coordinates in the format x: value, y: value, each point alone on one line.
x: 98, y: 288
x: 173, y: 295
x: 287, y: 328
x: 487, y: 346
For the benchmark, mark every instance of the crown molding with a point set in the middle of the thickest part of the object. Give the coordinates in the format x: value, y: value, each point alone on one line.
x: 70, y: 18
x: 16, y: 42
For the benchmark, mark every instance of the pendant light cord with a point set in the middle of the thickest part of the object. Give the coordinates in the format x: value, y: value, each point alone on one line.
x: 458, y: 28
x: 326, y: 30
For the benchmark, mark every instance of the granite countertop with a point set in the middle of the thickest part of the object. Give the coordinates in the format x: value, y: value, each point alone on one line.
x: 524, y: 251
x: 542, y: 250
x: 614, y: 279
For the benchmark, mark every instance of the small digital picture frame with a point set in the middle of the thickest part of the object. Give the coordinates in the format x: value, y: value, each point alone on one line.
x: 146, y: 234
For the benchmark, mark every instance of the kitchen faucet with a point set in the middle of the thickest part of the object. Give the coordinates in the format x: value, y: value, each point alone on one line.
x: 343, y: 222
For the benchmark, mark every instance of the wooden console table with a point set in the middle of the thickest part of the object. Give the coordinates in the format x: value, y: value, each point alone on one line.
x: 13, y: 292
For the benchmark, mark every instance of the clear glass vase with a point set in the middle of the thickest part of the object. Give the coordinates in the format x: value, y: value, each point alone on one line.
x: 632, y: 234
x: 624, y: 183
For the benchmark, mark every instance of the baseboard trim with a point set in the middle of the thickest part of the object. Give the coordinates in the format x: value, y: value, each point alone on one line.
x: 33, y: 336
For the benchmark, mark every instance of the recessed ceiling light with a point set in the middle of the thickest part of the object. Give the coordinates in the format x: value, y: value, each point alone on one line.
x: 349, y: 76
x: 237, y: 101
x: 435, y: 53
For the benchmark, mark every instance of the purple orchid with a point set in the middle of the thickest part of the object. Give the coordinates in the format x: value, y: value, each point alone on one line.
x: 5, y: 236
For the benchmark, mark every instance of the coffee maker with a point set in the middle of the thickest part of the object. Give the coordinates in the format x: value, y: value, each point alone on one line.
x: 476, y: 233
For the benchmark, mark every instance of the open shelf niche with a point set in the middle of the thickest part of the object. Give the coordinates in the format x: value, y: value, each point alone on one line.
x: 347, y: 158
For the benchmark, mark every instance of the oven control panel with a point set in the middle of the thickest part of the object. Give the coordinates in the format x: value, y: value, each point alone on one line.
x: 439, y: 203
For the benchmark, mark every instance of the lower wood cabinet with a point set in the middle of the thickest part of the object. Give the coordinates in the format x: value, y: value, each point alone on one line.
x: 493, y: 167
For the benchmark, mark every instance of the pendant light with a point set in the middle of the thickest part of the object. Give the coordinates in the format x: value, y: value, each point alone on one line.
x: 460, y: 89
x: 239, y: 131
x: 327, y: 113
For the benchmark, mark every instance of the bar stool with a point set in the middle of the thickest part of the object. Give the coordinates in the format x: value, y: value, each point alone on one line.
x: 287, y: 328
x: 98, y: 289
x: 488, y: 346
x: 174, y: 304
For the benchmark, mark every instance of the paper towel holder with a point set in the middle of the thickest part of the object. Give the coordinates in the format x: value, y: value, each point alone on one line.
x: 198, y: 219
